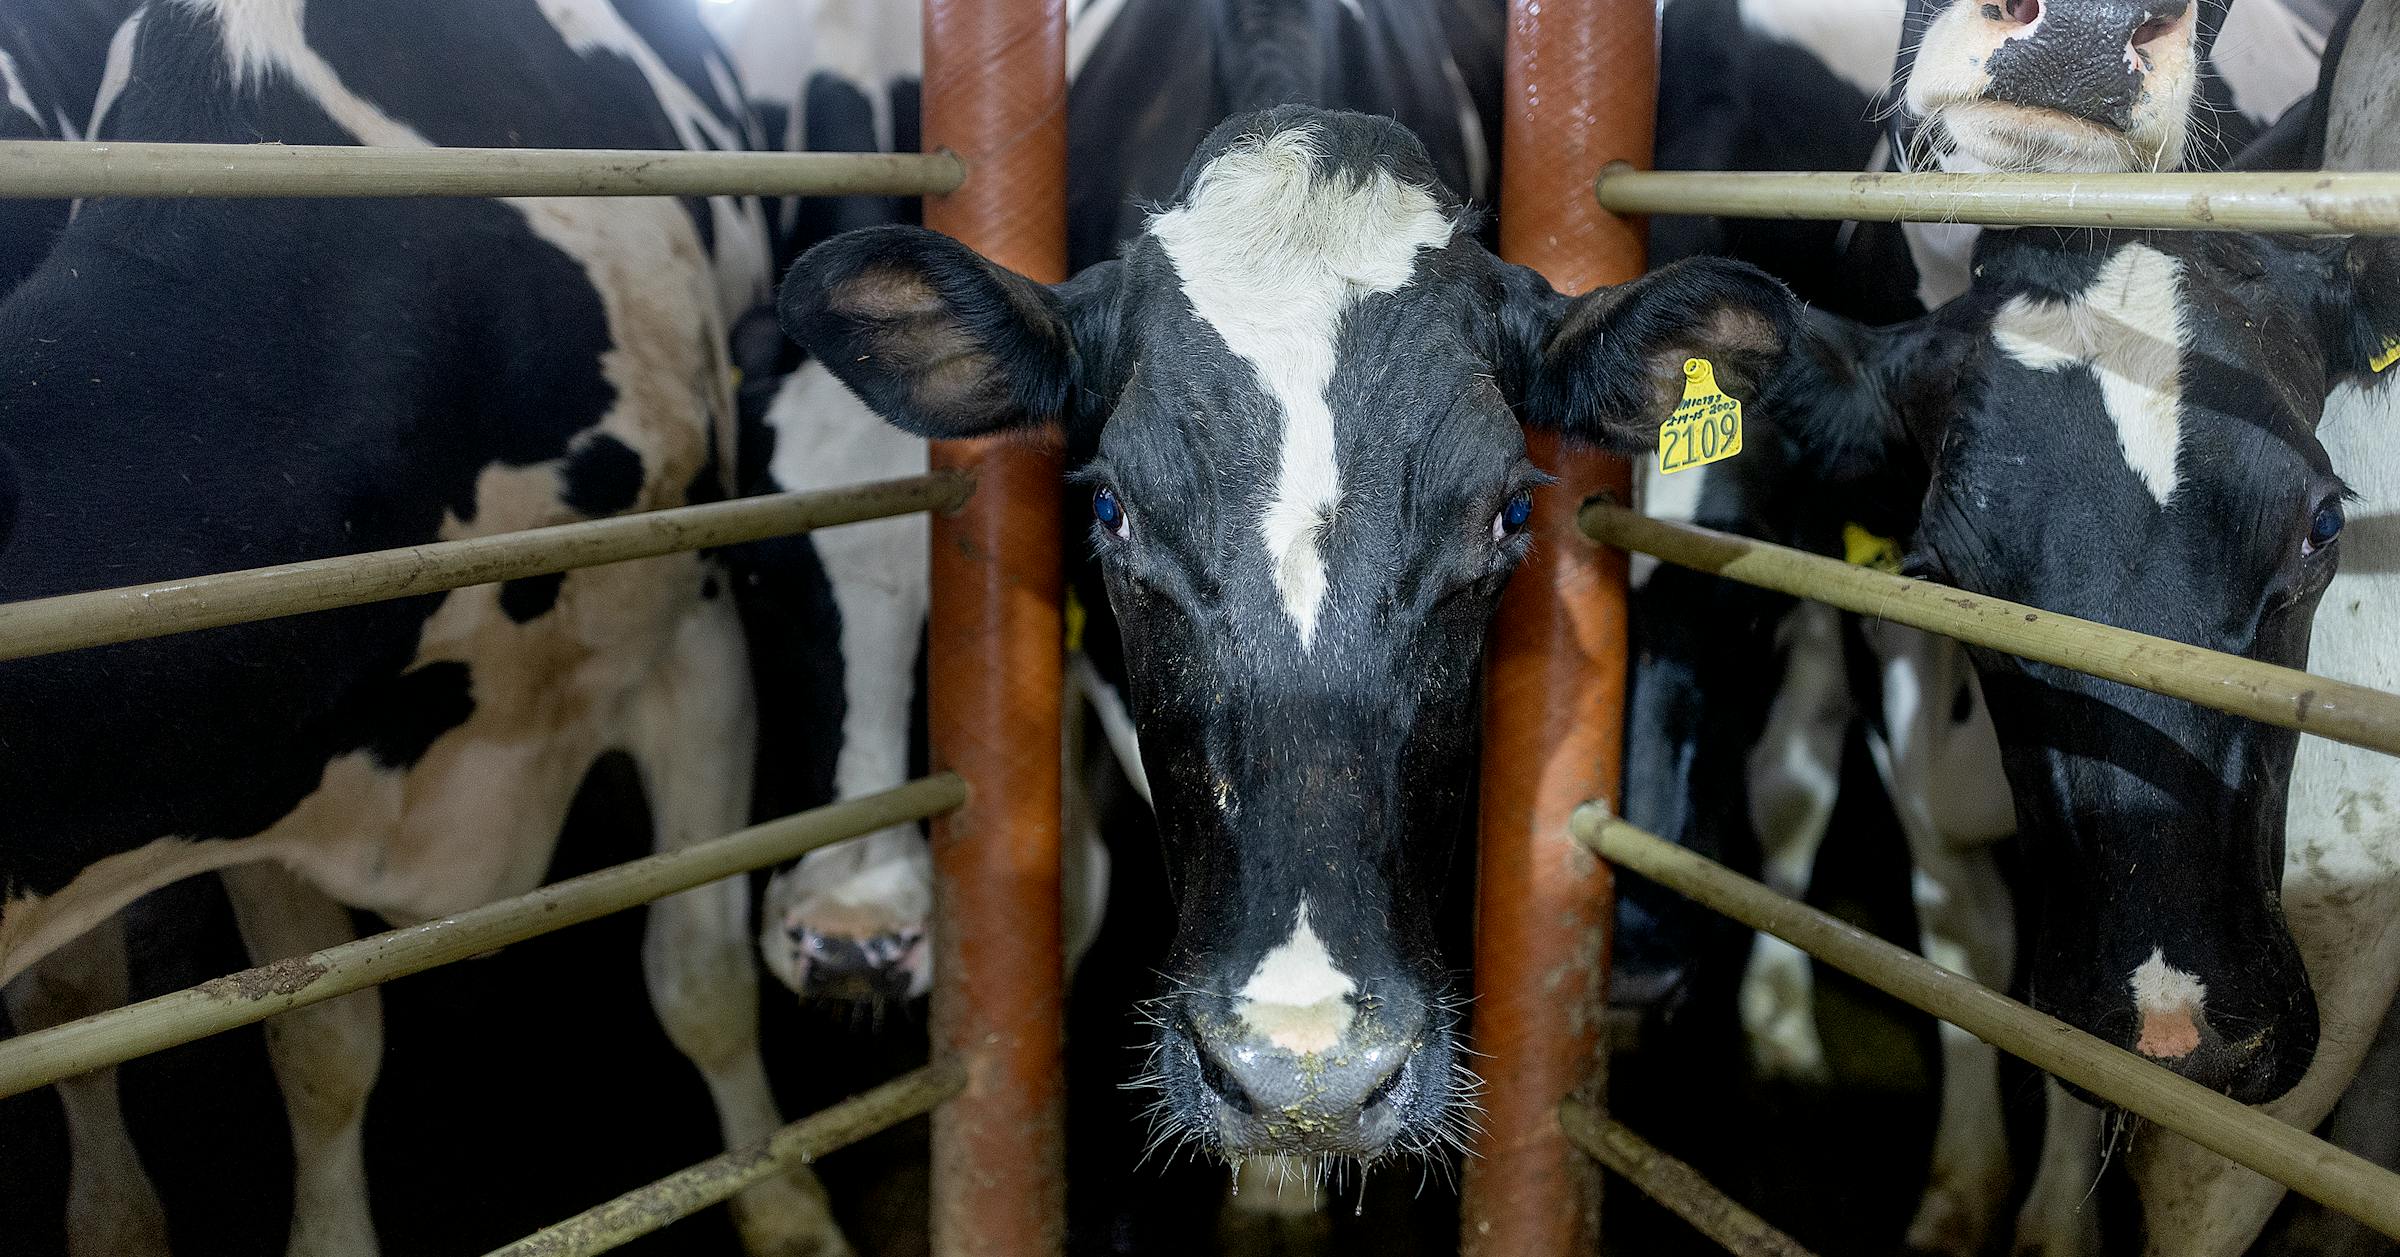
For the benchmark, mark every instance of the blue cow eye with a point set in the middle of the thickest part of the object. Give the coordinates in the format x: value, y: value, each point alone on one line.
x: 1513, y: 516
x: 1110, y: 512
x: 2326, y: 525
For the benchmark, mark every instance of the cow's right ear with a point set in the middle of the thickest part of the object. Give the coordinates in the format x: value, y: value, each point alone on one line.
x: 939, y: 341
x: 1862, y: 404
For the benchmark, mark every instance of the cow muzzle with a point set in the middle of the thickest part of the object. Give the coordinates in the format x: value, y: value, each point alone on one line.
x: 1374, y: 1075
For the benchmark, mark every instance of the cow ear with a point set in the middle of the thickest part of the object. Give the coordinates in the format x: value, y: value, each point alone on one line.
x: 2363, y: 335
x: 939, y: 341
x: 1609, y: 367
x: 1859, y: 405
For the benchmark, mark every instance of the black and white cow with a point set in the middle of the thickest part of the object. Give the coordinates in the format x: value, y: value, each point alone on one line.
x: 1796, y: 86
x: 2176, y: 485
x: 193, y: 386
x: 1298, y: 400
x: 851, y: 919
x: 2340, y: 874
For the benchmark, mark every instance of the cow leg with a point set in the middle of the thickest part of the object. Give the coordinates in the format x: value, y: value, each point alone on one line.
x: 693, y: 734
x: 2060, y: 1218
x: 1964, y: 908
x: 1794, y: 774
x: 112, y: 1209
x: 325, y: 1056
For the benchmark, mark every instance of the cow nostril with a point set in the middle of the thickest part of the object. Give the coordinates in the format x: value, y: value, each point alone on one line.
x: 1383, y: 1090
x: 2025, y: 12
x: 1223, y: 1084
x: 2154, y: 29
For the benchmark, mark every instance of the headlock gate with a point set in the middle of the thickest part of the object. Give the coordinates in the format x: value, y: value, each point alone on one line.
x: 1580, y: 96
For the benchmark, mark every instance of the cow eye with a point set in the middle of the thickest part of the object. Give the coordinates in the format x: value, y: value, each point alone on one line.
x: 2324, y: 527
x: 1111, y: 513
x: 1513, y: 516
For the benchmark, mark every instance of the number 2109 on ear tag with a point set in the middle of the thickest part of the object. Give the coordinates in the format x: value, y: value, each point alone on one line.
x: 1706, y: 426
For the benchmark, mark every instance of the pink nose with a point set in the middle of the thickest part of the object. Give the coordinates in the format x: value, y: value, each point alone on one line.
x: 2168, y: 1036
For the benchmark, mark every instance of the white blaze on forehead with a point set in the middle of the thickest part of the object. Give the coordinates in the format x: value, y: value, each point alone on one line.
x: 2170, y: 1002
x: 2128, y: 329
x: 1271, y: 254
x: 1297, y: 999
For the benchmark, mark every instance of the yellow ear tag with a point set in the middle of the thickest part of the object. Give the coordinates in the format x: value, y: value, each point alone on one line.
x: 1705, y: 428
x: 1861, y: 548
x: 2383, y: 361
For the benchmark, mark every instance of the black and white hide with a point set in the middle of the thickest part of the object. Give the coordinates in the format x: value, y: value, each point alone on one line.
x: 1297, y: 401
x: 53, y: 58
x: 850, y: 921
x: 197, y: 386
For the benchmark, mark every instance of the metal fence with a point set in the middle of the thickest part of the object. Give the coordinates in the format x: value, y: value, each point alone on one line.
x: 994, y: 107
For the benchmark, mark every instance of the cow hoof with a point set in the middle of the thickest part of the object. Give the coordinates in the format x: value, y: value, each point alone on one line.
x: 1948, y: 1225
x: 789, y: 1217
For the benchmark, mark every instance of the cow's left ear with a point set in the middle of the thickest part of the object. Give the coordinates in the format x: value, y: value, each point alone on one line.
x: 1607, y: 367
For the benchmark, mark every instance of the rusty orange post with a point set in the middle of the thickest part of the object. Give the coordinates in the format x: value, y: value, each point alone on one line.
x: 1581, y: 90
x: 996, y: 94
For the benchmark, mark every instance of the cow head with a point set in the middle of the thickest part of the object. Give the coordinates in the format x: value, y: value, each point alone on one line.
x: 2055, y: 85
x: 1297, y: 399
x: 2122, y: 427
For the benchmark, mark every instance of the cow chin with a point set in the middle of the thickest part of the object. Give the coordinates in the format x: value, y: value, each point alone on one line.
x: 1997, y: 135
x: 1378, y: 1077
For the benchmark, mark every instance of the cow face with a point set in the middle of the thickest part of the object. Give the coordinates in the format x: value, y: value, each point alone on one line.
x: 1297, y: 400
x: 2123, y: 428
x: 2055, y: 85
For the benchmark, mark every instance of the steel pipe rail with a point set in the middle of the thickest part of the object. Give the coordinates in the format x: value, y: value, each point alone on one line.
x: 1581, y: 83
x: 2304, y: 202
x: 1675, y: 1185
x: 59, y: 169
x: 106, y: 616
x: 680, y: 1195
x: 996, y: 91
x: 2264, y: 692
x: 119, y: 1035
x: 2287, y: 1154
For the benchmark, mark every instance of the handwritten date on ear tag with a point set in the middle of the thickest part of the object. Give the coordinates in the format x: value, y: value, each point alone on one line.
x: 1706, y: 426
x: 2390, y: 354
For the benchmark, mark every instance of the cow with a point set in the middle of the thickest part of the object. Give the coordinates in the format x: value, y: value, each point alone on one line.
x: 196, y: 386
x: 1297, y: 399
x: 2341, y: 891
x: 1798, y: 86
x: 850, y: 921
x: 2158, y: 923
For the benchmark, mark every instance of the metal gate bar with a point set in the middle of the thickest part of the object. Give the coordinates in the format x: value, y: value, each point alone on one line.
x: 680, y: 1195
x: 119, y: 1035
x: 2303, y: 202
x: 2289, y: 1155
x: 2265, y: 692
x: 1677, y: 1186
x: 996, y: 92
x: 60, y: 169
x: 105, y: 616
x: 1580, y: 88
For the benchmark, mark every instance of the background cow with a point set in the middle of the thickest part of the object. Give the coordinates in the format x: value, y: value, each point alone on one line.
x: 401, y: 372
x: 1797, y: 87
